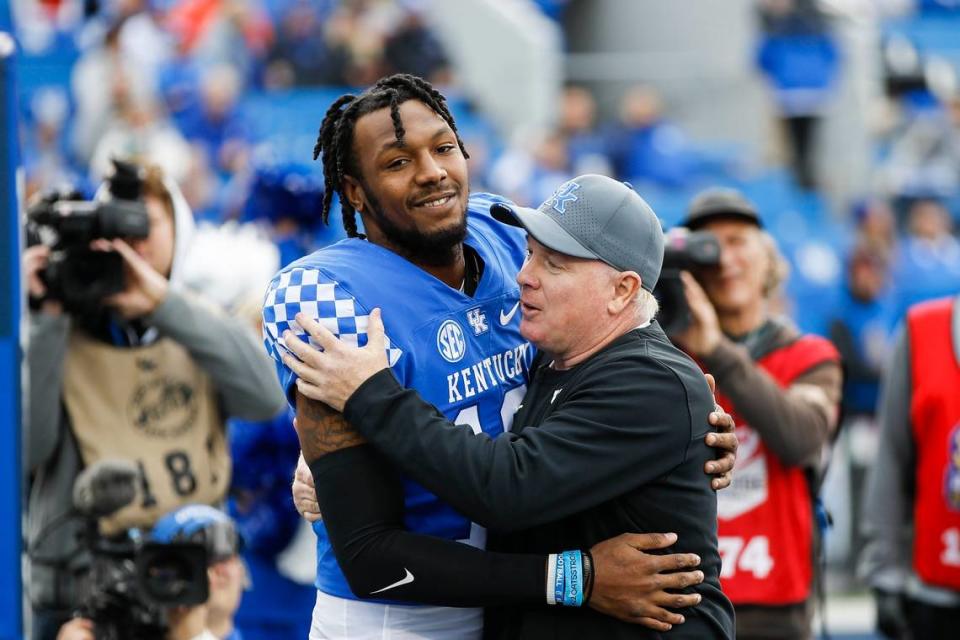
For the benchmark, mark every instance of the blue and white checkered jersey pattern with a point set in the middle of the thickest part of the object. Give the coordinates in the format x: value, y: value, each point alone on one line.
x: 301, y: 290
x: 463, y: 354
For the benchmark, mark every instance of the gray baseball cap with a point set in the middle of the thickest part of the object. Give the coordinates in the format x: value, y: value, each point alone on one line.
x: 598, y: 218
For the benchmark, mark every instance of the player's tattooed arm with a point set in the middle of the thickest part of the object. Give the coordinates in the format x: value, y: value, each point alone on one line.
x: 322, y: 430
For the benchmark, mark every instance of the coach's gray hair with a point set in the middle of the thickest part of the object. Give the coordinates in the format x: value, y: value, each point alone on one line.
x: 644, y: 303
x: 647, y: 305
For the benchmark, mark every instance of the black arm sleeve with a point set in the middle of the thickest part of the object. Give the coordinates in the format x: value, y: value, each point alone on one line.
x: 630, y: 424
x: 361, y: 498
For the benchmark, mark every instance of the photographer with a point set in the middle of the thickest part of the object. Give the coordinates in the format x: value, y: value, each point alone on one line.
x: 225, y: 576
x: 148, y: 374
x: 784, y: 390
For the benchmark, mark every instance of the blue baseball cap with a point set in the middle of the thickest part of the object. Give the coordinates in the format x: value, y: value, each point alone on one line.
x: 597, y: 218
x: 203, y: 524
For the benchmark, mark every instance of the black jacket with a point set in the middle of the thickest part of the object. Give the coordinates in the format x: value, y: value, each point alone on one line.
x: 613, y: 445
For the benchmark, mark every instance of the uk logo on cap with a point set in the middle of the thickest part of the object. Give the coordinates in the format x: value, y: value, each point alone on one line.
x: 566, y: 193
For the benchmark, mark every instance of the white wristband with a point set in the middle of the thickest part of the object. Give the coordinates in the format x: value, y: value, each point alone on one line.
x: 551, y: 578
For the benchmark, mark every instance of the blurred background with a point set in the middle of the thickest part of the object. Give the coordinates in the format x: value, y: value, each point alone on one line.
x: 840, y: 119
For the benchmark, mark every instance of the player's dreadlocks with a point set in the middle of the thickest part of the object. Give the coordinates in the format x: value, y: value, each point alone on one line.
x: 335, y: 139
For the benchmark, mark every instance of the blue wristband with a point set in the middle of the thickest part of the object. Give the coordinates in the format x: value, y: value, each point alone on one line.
x: 577, y: 572
x: 572, y: 579
x: 558, y: 582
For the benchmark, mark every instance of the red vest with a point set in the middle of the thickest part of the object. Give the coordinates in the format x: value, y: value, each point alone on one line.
x: 766, y: 515
x: 935, y: 415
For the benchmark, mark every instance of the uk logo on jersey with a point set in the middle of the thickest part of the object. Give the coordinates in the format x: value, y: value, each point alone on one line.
x: 477, y: 320
x: 450, y: 342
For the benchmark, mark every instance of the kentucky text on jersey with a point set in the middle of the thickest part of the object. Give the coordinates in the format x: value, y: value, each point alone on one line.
x: 501, y: 368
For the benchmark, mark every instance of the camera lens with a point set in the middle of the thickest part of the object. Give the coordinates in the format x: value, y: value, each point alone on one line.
x: 173, y: 574
x: 169, y: 576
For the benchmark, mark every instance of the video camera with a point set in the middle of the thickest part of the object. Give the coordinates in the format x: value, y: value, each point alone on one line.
x: 76, y: 275
x: 684, y: 250
x: 132, y: 581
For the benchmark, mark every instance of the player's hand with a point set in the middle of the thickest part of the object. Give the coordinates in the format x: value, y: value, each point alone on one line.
x: 76, y: 629
x: 631, y: 585
x: 332, y: 375
x: 725, y: 441
x: 703, y: 335
x: 145, y: 288
x: 305, y: 492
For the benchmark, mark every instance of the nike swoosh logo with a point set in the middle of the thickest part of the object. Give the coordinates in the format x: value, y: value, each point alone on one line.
x: 407, y: 579
x: 505, y: 318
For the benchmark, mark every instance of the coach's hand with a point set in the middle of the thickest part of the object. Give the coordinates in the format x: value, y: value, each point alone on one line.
x: 724, y: 440
x: 631, y: 585
x: 335, y: 373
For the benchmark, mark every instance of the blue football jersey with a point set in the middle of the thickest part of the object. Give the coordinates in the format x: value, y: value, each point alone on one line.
x: 463, y: 354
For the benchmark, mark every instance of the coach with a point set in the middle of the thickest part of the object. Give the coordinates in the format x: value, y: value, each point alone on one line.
x: 609, y: 438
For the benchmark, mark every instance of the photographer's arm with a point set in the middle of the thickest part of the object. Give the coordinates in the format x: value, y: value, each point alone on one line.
x: 889, y: 493
x: 224, y: 347
x: 45, y: 355
x: 795, y: 422
x: 46, y: 350
x: 889, y: 496
x: 227, y: 350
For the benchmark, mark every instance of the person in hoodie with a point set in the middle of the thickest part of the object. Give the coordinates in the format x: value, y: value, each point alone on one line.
x: 149, y: 375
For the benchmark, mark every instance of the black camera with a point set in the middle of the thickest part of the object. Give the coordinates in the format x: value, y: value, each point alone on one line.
x: 132, y: 581
x: 76, y: 275
x: 684, y: 250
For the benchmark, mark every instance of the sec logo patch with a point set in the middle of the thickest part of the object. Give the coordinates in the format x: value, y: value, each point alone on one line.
x: 450, y: 342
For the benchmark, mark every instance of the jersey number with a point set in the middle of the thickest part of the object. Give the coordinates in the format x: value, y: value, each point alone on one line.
x: 471, y: 417
x: 749, y: 556
x: 181, y: 477
x: 511, y: 400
